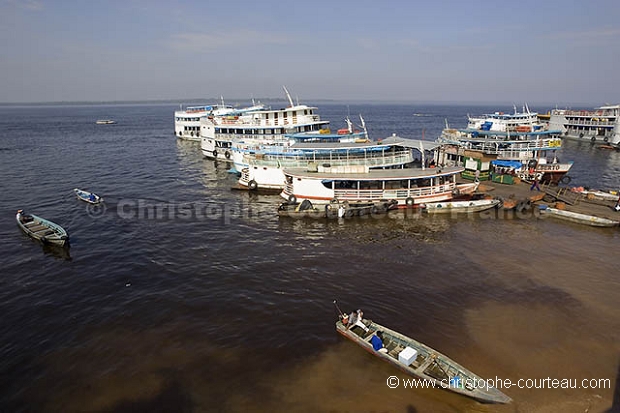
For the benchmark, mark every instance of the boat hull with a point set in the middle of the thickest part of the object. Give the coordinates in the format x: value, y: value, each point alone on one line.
x: 578, y: 218
x: 427, y: 357
x: 43, y: 230
x: 454, y: 207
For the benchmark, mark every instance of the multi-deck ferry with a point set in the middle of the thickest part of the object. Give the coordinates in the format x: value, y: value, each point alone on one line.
x: 218, y: 133
x: 601, y: 125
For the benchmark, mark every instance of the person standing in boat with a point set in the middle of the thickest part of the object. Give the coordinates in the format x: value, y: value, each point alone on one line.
x: 19, y: 215
x: 92, y: 198
x: 377, y: 342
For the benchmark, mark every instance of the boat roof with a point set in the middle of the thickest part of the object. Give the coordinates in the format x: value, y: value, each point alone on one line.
x: 411, y: 143
x: 342, y: 145
x: 538, y: 133
x: 376, y: 174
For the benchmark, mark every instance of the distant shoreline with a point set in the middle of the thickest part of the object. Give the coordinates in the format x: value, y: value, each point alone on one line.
x: 236, y: 102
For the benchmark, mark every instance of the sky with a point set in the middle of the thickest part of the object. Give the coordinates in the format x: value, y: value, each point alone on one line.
x: 541, y: 52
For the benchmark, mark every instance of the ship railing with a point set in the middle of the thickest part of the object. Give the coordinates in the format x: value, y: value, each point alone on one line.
x: 399, y: 193
x: 372, y: 160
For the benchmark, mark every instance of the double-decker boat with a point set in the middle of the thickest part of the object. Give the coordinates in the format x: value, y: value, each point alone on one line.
x: 535, y: 150
x: 601, y: 125
x: 358, y: 183
x: 219, y: 133
x: 265, y: 170
x: 187, y: 121
x: 524, y: 121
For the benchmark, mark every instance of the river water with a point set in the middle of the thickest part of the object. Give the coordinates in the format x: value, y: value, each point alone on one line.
x: 182, y: 295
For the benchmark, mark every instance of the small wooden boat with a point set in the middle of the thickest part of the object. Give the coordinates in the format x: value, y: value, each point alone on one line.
x: 87, y: 196
x: 475, y: 205
x: 345, y: 209
x: 578, y: 218
x: 41, y: 229
x: 105, y: 122
x: 418, y: 360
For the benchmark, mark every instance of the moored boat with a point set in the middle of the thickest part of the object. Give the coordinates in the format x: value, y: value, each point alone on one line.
x: 105, y: 122
x: 578, y: 218
x: 417, y: 359
x: 600, y: 125
x: 218, y: 133
x: 187, y: 121
x: 41, y: 229
x: 306, y: 209
x: 357, y: 183
x: 87, y: 196
x: 452, y: 207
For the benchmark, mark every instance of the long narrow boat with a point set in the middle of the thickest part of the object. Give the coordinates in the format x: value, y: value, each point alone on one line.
x: 579, y: 218
x: 420, y: 361
x: 306, y: 209
x: 41, y: 229
x: 87, y: 196
x: 475, y: 205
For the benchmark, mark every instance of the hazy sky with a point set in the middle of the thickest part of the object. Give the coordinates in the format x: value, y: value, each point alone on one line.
x: 556, y: 52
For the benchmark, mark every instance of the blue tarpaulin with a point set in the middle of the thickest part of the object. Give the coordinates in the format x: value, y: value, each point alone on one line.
x: 507, y: 164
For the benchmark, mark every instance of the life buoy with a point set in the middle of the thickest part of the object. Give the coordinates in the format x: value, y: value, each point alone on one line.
x: 409, y: 201
x: 292, y: 199
x: 593, y: 139
x: 606, y: 139
x: 532, y: 164
x: 252, y: 185
x: 581, y: 135
x: 456, y: 192
x: 191, y: 133
x: 566, y: 179
x: 557, y: 167
x: 215, y: 154
x: 227, y: 154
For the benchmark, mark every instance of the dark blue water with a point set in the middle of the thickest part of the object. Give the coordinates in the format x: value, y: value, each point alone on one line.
x: 182, y: 295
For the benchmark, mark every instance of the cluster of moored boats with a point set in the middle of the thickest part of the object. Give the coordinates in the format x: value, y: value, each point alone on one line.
x: 293, y: 152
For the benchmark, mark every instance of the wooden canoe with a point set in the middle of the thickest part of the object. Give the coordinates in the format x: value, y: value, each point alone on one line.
x: 42, y: 230
x: 345, y: 209
x: 578, y: 218
x: 437, y: 369
x: 475, y: 205
x: 87, y: 196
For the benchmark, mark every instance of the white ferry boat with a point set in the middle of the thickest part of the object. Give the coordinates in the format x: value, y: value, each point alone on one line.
x: 218, y: 134
x: 536, y: 151
x: 408, y: 186
x: 265, y: 170
x: 187, y: 121
x: 245, y: 150
x: 525, y: 121
x: 601, y: 125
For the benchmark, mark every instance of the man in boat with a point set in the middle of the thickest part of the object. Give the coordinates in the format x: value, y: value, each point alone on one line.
x: 92, y: 197
x: 19, y: 215
x: 377, y: 342
x: 355, y: 319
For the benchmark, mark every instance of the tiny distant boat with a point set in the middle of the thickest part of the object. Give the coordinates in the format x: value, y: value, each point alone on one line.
x: 105, y: 122
x: 578, y: 218
x: 476, y: 205
x: 306, y: 209
x: 41, y: 229
x: 87, y: 196
x: 417, y: 359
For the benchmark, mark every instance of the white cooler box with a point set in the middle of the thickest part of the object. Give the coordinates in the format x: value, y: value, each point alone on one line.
x: 407, y: 356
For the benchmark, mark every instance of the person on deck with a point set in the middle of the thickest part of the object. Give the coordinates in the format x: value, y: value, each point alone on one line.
x: 355, y: 319
x: 377, y: 342
x: 535, y: 185
x: 92, y: 198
